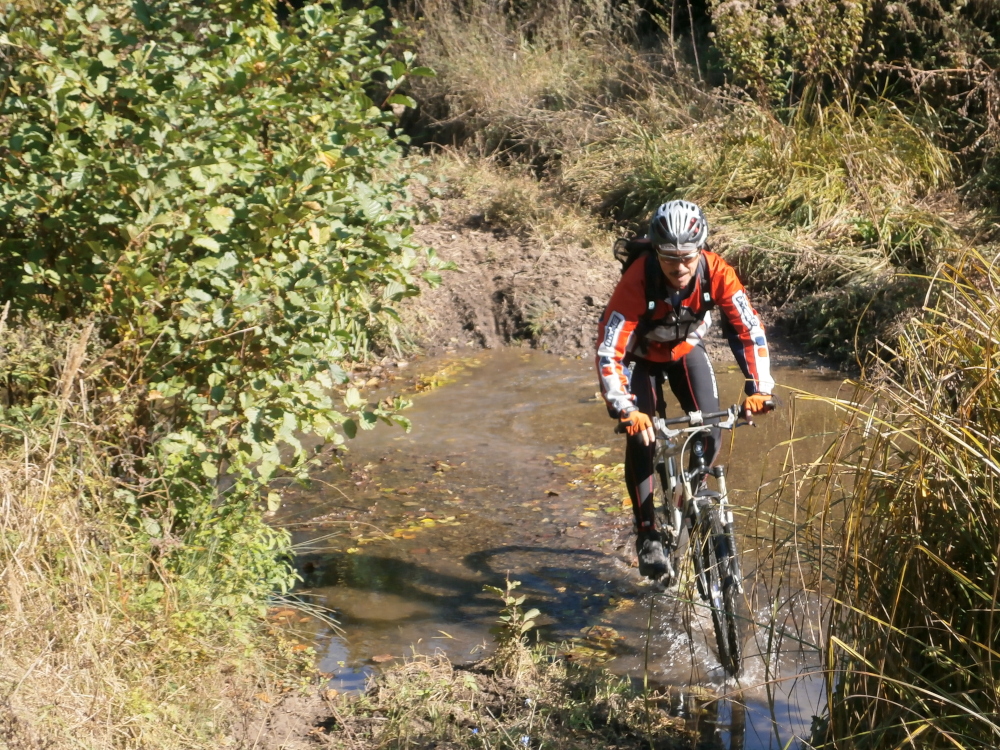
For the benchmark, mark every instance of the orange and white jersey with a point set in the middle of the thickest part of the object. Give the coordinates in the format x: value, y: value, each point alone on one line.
x: 626, y: 331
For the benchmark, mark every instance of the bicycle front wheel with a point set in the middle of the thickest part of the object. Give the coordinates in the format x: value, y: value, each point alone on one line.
x: 718, y: 586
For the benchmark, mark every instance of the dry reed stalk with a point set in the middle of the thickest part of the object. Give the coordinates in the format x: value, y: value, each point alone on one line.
x: 913, y: 633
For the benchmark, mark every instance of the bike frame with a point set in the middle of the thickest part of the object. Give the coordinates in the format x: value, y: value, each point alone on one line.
x: 666, y: 451
x: 706, y: 515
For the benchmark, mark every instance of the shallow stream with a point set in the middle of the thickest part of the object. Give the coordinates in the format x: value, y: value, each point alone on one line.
x: 509, y: 470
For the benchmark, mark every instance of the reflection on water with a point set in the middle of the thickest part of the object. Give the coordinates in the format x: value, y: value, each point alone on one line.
x: 402, y: 541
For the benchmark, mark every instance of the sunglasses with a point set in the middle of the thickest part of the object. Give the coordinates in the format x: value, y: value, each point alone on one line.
x: 673, y: 252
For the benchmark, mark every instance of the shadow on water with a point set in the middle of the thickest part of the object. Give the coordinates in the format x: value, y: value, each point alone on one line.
x: 421, y: 522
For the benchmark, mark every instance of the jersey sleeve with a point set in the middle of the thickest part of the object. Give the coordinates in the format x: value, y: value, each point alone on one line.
x: 743, y: 327
x: 614, y: 332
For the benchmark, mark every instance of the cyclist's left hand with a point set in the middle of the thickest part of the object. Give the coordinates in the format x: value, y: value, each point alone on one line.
x: 758, y: 403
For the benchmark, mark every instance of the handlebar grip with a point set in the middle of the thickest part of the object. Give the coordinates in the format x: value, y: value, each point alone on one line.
x: 715, y: 414
x: 676, y: 420
x: 704, y: 416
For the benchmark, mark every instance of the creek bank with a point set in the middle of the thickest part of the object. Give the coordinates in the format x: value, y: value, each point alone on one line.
x: 511, y: 289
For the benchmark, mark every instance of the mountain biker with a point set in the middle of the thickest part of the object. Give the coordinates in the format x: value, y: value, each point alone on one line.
x: 653, y: 330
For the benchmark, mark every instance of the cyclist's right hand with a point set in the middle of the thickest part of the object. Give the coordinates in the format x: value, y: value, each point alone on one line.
x: 758, y: 403
x: 637, y: 423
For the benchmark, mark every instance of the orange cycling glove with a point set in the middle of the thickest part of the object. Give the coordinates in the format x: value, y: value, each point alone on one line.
x: 758, y: 403
x: 637, y: 423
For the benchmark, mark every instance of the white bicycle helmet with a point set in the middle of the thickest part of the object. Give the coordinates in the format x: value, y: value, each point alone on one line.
x: 678, y: 229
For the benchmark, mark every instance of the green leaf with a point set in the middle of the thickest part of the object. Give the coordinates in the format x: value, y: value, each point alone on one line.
x: 220, y: 217
x: 108, y: 59
x: 352, y: 399
x: 207, y: 242
x: 273, y: 501
x: 401, y: 99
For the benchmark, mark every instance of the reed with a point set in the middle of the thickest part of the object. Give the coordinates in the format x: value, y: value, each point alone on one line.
x: 914, y: 643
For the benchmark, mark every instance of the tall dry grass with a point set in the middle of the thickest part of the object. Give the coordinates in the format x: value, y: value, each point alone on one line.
x: 532, y: 79
x: 914, y: 642
x: 91, y: 653
x: 833, y: 195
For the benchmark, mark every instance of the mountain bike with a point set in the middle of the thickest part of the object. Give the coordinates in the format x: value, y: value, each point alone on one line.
x: 704, y: 515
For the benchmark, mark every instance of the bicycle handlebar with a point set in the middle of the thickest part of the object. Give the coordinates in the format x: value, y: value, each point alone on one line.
x: 697, y: 418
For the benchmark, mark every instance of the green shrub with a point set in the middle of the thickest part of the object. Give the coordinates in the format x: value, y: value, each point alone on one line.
x: 223, y: 198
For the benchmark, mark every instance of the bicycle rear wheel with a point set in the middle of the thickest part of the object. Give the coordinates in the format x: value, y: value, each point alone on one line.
x: 718, y: 587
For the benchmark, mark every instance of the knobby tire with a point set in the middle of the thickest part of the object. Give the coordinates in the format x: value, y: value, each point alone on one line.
x: 730, y: 600
x: 712, y: 552
x: 719, y: 588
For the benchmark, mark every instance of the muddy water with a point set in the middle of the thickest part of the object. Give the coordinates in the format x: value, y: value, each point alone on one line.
x: 501, y: 476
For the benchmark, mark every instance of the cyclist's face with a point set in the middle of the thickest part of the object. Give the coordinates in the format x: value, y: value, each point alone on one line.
x: 678, y: 272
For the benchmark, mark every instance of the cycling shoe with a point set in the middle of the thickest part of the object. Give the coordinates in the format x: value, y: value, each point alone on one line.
x: 653, y: 561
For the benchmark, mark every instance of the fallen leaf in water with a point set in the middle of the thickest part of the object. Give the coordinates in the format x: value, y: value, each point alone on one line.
x: 602, y: 633
x: 382, y: 658
x: 300, y: 647
x: 589, y: 514
x: 585, y: 524
x: 283, y: 614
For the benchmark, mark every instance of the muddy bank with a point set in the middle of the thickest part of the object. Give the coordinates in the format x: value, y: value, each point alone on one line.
x: 508, y: 290
x: 512, y: 290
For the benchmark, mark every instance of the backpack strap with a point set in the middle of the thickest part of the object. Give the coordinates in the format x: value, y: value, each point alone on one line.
x: 656, y: 285
x: 706, y: 283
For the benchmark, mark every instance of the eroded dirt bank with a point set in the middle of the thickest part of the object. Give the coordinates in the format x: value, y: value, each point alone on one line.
x: 513, y: 290
x: 508, y: 289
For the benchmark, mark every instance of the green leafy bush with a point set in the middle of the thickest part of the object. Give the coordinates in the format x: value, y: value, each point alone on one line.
x: 223, y: 198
